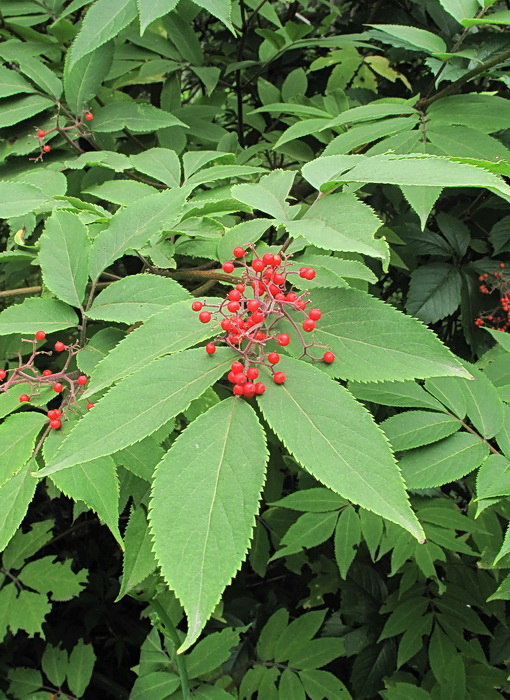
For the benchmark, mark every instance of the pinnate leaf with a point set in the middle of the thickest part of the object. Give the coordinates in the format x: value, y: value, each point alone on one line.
x: 214, y: 481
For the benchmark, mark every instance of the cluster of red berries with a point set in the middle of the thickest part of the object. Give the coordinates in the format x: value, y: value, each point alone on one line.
x: 248, y: 320
x: 41, y: 134
x: 28, y: 373
x: 499, y: 316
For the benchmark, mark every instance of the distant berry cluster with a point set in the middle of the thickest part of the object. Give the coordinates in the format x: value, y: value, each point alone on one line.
x: 250, y: 311
x: 41, y: 133
x: 499, y: 316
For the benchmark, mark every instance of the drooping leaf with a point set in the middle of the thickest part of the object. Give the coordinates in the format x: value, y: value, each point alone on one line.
x: 83, y: 80
x: 139, y: 405
x: 422, y: 200
x: 461, y: 9
x: 222, y: 478
x: 324, y: 435
x: 493, y: 478
x: 347, y: 539
x: 17, y: 439
x: 483, y: 405
x: 211, y: 652
x: 15, y: 497
x: 219, y: 8
x: 410, y: 37
x: 160, y: 163
x: 139, y: 560
x: 417, y: 428
x: 269, y: 194
x: 12, y: 83
x: 37, y: 314
x: 42, y: 76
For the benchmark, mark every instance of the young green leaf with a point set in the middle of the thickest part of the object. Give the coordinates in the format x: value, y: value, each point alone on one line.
x: 347, y: 539
x: 29, y: 613
x: 36, y: 314
x: 337, y: 441
x: 416, y: 428
x: 309, y: 530
x: 83, y: 81
x: 46, y: 575
x: 54, y: 663
x: 214, y: 481
x: 139, y: 560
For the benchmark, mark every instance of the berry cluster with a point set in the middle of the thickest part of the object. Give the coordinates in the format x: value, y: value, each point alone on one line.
x: 250, y: 311
x: 41, y: 133
x: 28, y: 373
x: 499, y: 316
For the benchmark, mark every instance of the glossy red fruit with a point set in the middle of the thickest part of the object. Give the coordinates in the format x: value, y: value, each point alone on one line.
x: 276, y: 261
x: 55, y: 424
x: 291, y: 296
x: 309, y: 325
x: 47, y: 373
x: 260, y: 336
x: 210, y: 348
x: 249, y: 390
x: 234, y: 295
x: 225, y: 324
x: 46, y: 148
x: 228, y: 267
x: 40, y: 335
x: 253, y: 305
x: 90, y: 405
x: 24, y: 397
x: 231, y: 377
x: 54, y: 413
x: 82, y: 380
x: 252, y: 373
x: 237, y: 367
x: 279, y: 297
x: 233, y: 306
x: 3, y: 374
x: 257, y: 265
x: 238, y: 389
x: 41, y: 133
x: 279, y: 377
x: 59, y: 346
x: 57, y: 387
x: 257, y: 317
x: 283, y: 339
x: 197, y: 306
x: 300, y: 304
x: 267, y: 259
x: 273, y: 358
x: 204, y: 316
x: 310, y: 274
x: 260, y: 388
x: 240, y: 288
x: 239, y: 252
x: 315, y: 314
x: 240, y: 378
x: 234, y: 339
x: 302, y: 272
x: 329, y: 357
x: 278, y: 278
x: 89, y: 117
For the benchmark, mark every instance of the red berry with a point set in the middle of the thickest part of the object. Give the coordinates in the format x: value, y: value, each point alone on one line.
x: 90, y: 405
x: 82, y: 380
x: 300, y: 304
x: 501, y: 265
x: 274, y: 289
x: 234, y: 295
x: 197, y: 306
x: 275, y: 261
x: 315, y: 314
x: 278, y: 278
x: 89, y: 117
x: 47, y: 372
x: 59, y: 346
x: 252, y: 373
x: 291, y: 296
x: 267, y: 259
x: 239, y: 252
x: 237, y: 367
x: 210, y: 348
x: 260, y: 336
x: 257, y: 317
x: 40, y: 335
x: 249, y: 390
x: 279, y: 297
x: 231, y: 377
x: 228, y: 267
x: 283, y: 339
x: 3, y: 374
x: 240, y: 287
x: 46, y: 148
x: 260, y: 388
x: 253, y: 305
x: 233, y: 306
x: 273, y: 358
x: 309, y: 325
x: 225, y: 324
x: 238, y: 389
x: 302, y: 271
x: 279, y: 377
x: 257, y: 265
x: 41, y: 133
x: 24, y: 397
x: 240, y: 378
x: 235, y: 339
x: 54, y: 413
x: 57, y: 387
x: 204, y: 316
x: 55, y: 424
x: 310, y: 274
x: 328, y: 357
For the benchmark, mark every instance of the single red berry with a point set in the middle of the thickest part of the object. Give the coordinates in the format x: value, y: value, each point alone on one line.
x: 267, y: 259
x: 3, y: 374
x: 55, y: 424
x: 257, y: 317
x: 300, y: 304
x: 240, y: 288
x: 258, y: 287
x: 47, y: 372
x: 273, y: 358
x: 234, y: 295
x: 89, y: 117
x: 275, y: 261
x: 268, y: 274
x: 233, y: 306
x: 235, y: 339
x: 40, y: 335
x: 291, y: 296
x: 228, y: 267
x: 82, y: 380
x: 249, y: 390
x: 279, y: 377
x: 310, y: 274
x: 41, y: 133
x: 278, y: 278
x: 90, y: 405
x: 210, y: 348
x: 257, y: 265
x: 252, y: 373
x: 237, y: 367
x: 328, y: 357
x: 283, y: 339
x: 501, y: 265
x: 302, y: 271
x: 204, y: 316
x: 46, y: 148
x: 260, y: 388
x: 279, y: 297
x: 231, y: 377
x: 225, y: 324
x: 260, y: 336
x: 238, y: 389
x: 253, y: 305
x: 197, y: 306
x: 309, y: 325
x: 239, y: 252
x: 240, y: 378
x: 24, y: 397
x: 274, y: 289
x: 57, y: 387
x: 59, y: 346
x: 315, y: 314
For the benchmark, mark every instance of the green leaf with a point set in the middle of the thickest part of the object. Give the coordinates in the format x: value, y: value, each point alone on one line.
x: 443, y: 462
x: 97, y: 349
x: 107, y: 159
x: 28, y: 613
x: 139, y: 560
x: 54, y: 663
x: 461, y: 9
x: 493, y: 478
x: 502, y: 17
x: 19, y: 198
x: 16, y: 109
x: 317, y: 500
x: 487, y: 113
x: 411, y: 38
x: 23, y: 681
x: 149, y: 11
x: 441, y: 650
x: 341, y: 222
x: 465, y: 142
x: 157, y: 685
x: 449, y: 390
x: 42, y: 76
x: 103, y: 21
x: 169, y: 331
x: 421, y: 200
x: 121, y: 192
x: 208, y: 467
x: 405, y: 394
x: 416, y: 428
x: 347, y: 539
x: 81, y: 665
x: 290, y: 686
x: 434, y: 291
x: 160, y: 163
x: 15, y: 497
x: 135, y: 116
x: 18, y: 434
x: 45, y: 575
x: 405, y: 614
x: 269, y: 194
x: 298, y: 633
x: 12, y: 83
x: 36, y: 314
x: 210, y: 653
x: 375, y: 342
x: 368, y: 133
x: 317, y: 653
x: 412, y: 639
x: 322, y: 684
x: 83, y: 81
x: 136, y: 298
x: 241, y: 235
x: 141, y: 458
x: 309, y: 530
x: 483, y: 404
x: 63, y: 255
x: 219, y: 8
x: 162, y: 390
x: 222, y: 172
x: 324, y: 435
x: 133, y: 226
x: 24, y: 544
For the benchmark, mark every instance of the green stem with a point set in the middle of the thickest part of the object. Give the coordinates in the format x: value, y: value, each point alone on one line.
x: 174, y: 637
